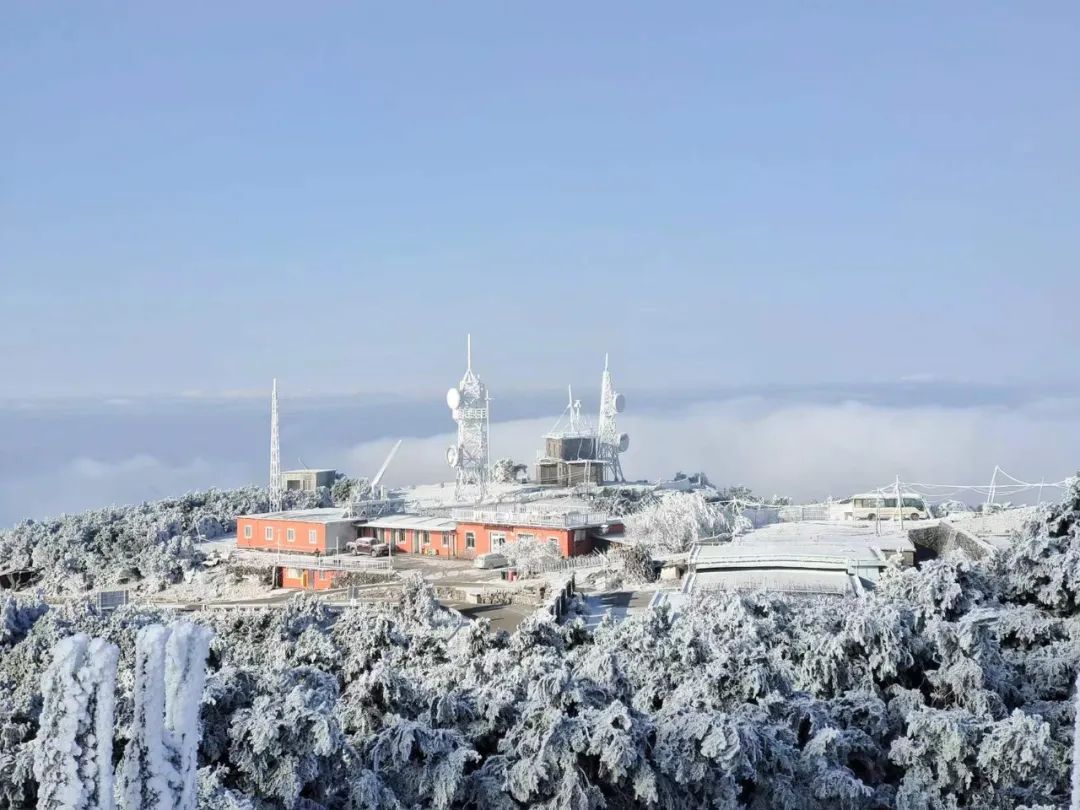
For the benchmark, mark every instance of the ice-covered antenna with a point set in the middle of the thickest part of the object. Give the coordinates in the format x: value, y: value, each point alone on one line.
x: 275, y: 453
x: 382, y: 470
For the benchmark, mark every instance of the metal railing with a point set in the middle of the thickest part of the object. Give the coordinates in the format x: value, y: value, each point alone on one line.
x: 333, y: 562
x: 530, y: 517
x: 534, y: 567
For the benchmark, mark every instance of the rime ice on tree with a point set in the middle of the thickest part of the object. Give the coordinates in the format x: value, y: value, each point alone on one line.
x: 158, y: 770
x: 73, y: 755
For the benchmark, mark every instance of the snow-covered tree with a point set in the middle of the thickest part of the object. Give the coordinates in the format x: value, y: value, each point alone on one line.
x: 506, y: 471
x: 676, y: 521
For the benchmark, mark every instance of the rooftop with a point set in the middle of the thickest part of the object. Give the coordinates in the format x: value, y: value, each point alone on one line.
x: 799, y: 558
x: 416, y: 522
x: 331, y: 515
x: 300, y: 472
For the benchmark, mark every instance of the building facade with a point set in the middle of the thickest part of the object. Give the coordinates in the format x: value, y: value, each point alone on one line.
x: 307, y: 480
x: 303, y: 531
x: 413, y: 534
x: 480, y: 531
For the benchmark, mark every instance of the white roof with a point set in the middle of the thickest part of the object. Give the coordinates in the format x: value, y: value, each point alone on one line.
x: 415, y: 522
x: 886, y: 495
x: 821, y: 543
x: 332, y: 515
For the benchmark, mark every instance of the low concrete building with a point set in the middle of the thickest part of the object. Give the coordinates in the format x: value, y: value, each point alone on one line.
x: 300, y: 534
x: 303, y: 531
x: 307, y: 480
x: 799, y: 558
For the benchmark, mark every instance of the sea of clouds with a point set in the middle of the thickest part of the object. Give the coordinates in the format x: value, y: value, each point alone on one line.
x: 811, y: 444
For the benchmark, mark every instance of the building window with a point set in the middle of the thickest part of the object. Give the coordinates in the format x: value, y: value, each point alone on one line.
x: 579, y: 535
x: 292, y: 573
x: 312, y: 536
x: 498, y: 539
x: 247, y: 532
x: 445, y: 540
x: 290, y: 534
x: 399, y: 536
x: 525, y: 538
x: 553, y: 540
x: 470, y: 539
x: 423, y: 538
x: 269, y: 533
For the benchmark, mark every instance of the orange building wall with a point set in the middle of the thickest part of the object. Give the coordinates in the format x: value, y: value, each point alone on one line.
x: 280, y: 540
x: 408, y: 540
x: 311, y: 579
x: 562, y: 537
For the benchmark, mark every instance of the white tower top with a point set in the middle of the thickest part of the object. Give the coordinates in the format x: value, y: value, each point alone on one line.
x: 275, y: 453
x: 610, y: 443
x: 469, y: 406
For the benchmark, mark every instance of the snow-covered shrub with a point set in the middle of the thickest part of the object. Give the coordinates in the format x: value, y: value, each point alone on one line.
x: 676, y: 521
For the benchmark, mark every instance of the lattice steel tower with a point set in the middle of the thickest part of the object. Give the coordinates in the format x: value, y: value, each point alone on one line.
x: 470, y: 407
x: 275, y: 453
x: 610, y: 442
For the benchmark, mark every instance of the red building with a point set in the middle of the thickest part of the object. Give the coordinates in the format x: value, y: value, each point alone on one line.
x: 573, y: 533
x: 413, y: 534
x: 304, y: 533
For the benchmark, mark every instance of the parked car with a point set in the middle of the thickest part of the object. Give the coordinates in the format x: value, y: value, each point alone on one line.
x: 368, y: 546
x: 492, y: 559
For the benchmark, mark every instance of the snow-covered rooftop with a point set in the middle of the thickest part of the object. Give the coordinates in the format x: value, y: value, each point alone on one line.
x: 329, y: 515
x: 415, y: 522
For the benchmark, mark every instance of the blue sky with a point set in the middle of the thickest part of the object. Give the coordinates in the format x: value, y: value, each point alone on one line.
x: 196, y: 198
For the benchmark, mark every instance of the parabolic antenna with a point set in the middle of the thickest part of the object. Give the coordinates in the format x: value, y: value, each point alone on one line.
x: 620, y: 403
x: 452, y: 455
x: 624, y: 442
x: 453, y: 398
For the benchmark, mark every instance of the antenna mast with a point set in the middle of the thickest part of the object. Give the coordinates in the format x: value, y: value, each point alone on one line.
x: 275, y: 453
x: 610, y: 442
x: 470, y: 407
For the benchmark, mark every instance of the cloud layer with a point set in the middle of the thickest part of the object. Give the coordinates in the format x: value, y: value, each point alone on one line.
x: 775, y: 446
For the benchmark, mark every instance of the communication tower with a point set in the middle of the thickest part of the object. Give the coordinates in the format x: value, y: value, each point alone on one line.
x: 611, y: 443
x: 470, y: 407
x: 275, y: 453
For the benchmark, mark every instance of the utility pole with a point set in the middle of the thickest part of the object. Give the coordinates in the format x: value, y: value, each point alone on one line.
x: 899, y: 503
x: 992, y: 492
x: 275, y: 453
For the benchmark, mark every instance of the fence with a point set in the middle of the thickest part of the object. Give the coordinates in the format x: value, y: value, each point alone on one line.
x: 111, y: 600
x: 534, y: 567
x: 336, y: 562
x: 797, y: 514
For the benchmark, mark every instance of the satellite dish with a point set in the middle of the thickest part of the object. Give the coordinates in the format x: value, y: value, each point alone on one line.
x: 624, y: 442
x: 620, y: 403
x: 453, y: 398
x: 452, y: 454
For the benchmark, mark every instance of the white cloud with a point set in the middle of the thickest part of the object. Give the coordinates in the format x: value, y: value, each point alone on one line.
x: 800, y: 449
x: 804, y: 450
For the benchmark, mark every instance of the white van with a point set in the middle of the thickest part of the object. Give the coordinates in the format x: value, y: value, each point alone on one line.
x: 876, y: 506
x: 492, y: 559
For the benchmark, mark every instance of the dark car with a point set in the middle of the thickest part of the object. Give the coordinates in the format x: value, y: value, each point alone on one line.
x: 368, y: 546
